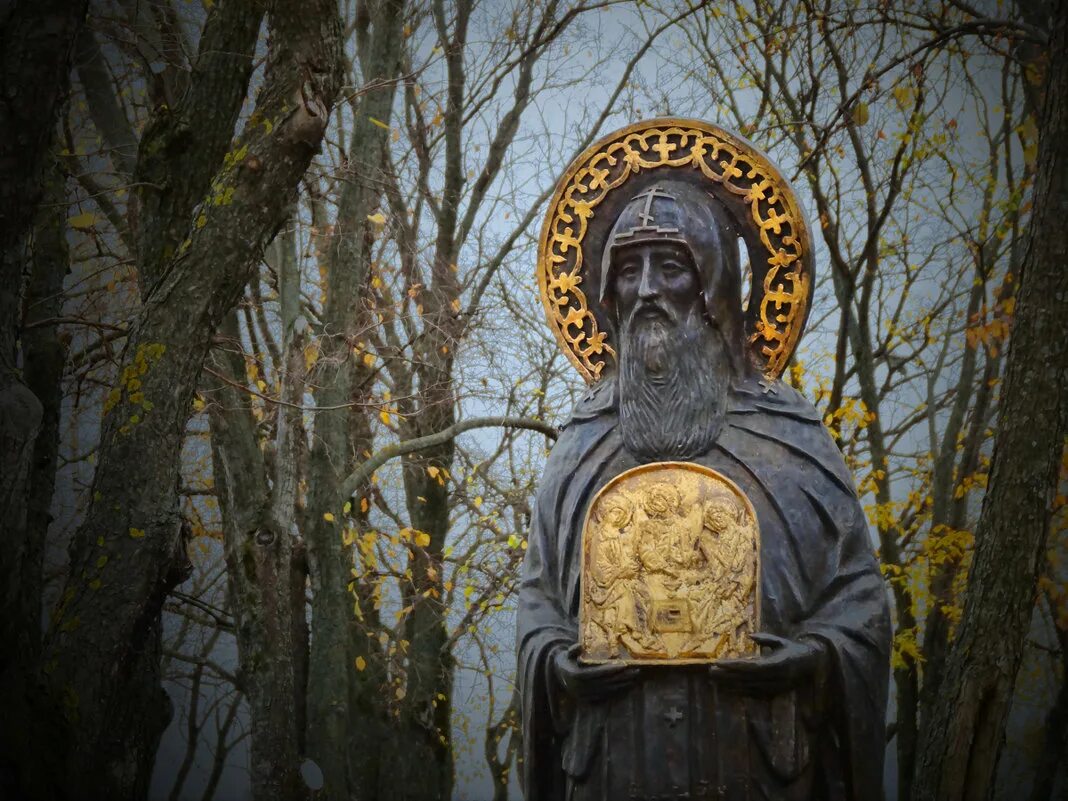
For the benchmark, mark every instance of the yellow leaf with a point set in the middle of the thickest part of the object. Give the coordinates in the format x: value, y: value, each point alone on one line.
x: 361, y: 663
x: 369, y: 359
x: 903, y: 96
x: 378, y: 218
x: 347, y: 507
x: 860, y: 113
x: 478, y: 502
x: 82, y: 222
x: 364, y: 505
x: 384, y: 416
x: 433, y: 471
x: 328, y: 517
x: 137, y: 533
x: 422, y: 539
x: 455, y: 305
x: 379, y: 123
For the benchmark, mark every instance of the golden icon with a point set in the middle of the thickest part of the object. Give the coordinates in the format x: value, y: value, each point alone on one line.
x: 671, y: 568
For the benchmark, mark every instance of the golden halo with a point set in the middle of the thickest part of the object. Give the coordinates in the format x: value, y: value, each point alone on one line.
x: 773, y: 227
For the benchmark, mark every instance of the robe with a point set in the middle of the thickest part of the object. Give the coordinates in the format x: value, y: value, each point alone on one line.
x: 675, y: 733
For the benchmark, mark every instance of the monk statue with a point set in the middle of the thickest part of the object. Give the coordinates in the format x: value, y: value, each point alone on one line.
x: 642, y: 275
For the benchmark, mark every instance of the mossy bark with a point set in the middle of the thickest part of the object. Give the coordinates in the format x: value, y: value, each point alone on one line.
x: 100, y: 690
x: 961, y: 742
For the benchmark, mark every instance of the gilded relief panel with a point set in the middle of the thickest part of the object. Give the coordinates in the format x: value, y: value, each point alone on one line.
x: 670, y: 568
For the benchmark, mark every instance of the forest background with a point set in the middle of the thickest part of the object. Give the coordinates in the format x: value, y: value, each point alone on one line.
x: 277, y: 388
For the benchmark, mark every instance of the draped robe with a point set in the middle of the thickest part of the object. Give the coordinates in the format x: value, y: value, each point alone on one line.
x: 675, y: 733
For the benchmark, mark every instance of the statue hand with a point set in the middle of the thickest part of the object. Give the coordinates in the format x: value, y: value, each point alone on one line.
x: 590, y: 682
x: 784, y: 665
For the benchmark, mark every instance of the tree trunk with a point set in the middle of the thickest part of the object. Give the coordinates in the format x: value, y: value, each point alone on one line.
x: 346, y: 703
x: 259, y: 554
x: 961, y: 742
x: 100, y: 663
x: 1054, y: 746
x: 185, y: 140
x: 508, y: 726
x: 44, y: 353
x: 424, y: 732
x: 906, y: 682
x: 423, y: 735
x: 36, y: 43
x: 948, y: 514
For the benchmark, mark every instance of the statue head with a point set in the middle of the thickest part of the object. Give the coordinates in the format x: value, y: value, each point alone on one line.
x: 671, y: 282
x: 694, y: 185
x: 673, y: 252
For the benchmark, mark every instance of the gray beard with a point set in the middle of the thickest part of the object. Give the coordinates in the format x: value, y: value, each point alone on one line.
x: 673, y: 382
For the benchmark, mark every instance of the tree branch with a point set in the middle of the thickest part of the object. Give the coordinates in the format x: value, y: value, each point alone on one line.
x: 365, y: 470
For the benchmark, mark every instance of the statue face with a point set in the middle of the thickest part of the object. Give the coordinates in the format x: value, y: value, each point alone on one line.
x: 655, y: 279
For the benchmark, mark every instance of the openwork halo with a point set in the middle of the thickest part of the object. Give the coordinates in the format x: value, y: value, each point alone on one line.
x: 767, y: 212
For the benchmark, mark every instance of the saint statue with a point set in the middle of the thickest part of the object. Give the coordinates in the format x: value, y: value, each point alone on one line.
x: 641, y: 273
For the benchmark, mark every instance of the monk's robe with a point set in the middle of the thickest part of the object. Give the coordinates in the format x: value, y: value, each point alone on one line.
x: 675, y: 733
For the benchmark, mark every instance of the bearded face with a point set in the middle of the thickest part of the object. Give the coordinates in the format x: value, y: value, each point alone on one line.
x: 674, y: 373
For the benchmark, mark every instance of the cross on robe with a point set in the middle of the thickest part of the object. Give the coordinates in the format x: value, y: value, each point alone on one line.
x: 673, y: 716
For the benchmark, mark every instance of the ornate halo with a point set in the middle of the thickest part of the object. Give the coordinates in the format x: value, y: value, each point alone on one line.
x: 769, y: 218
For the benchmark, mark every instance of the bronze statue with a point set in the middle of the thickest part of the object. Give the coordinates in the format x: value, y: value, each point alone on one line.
x: 701, y: 614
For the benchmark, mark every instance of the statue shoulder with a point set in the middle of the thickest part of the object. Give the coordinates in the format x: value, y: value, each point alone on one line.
x: 588, y: 441
x: 785, y: 416
x: 598, y: 400
x: 776, y: 398
x: 592, y: 421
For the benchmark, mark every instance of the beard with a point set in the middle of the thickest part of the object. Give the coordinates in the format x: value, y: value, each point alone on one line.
x: 673, y: 382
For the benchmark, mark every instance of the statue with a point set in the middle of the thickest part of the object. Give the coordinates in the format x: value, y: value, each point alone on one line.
x: 701, y: 615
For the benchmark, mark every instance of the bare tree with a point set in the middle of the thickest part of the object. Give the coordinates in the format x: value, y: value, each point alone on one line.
x: 963, y: 738
x: 37, y: 41
x: 100, y: 667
